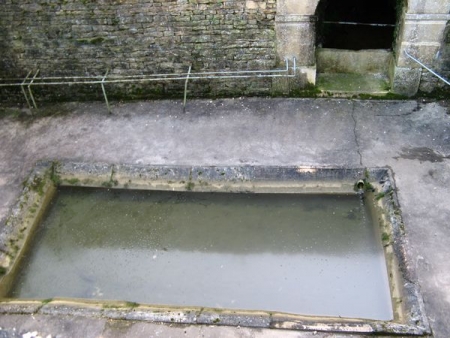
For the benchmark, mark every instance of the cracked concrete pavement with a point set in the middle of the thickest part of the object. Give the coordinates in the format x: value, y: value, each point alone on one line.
x: 411, y: 137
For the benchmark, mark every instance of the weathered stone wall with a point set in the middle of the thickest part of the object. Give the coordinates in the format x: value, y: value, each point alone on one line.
x: 421, y: 34
x: 130, y: 37
x: 429, y: 82
x: 445, y: 53
x: 86, y: 37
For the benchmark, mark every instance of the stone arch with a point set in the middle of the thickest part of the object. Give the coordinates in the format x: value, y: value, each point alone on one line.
x: 419, y: 30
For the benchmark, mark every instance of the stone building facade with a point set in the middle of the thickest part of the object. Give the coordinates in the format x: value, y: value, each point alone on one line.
x: 130, y: 37
x: 422, y: 29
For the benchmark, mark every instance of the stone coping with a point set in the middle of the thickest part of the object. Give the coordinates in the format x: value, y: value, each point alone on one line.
x: 39, y: 189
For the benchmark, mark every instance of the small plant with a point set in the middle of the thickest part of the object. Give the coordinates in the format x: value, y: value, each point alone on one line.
x: 3, y: 270
x: 110, y: 183
x: 54, y: 177
x: 190, y: 185
x: 385, y: 237
x: 131, y: 304
x: 38, y: 185
x: 107, y: 184
x: 368, y: 186
x: 46, y: 301
x: 380, y: 195
x: 73, y: 181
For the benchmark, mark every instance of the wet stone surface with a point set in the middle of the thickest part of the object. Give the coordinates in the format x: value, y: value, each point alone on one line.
x: 261, y: 132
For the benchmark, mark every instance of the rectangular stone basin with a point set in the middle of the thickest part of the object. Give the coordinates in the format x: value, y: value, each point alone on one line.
x: 296, y: 248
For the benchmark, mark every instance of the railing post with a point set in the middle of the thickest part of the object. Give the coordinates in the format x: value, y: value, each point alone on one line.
x: 185, y: 87
x: 29, y: 89
x: 22, y: 85
x: 104, y: 91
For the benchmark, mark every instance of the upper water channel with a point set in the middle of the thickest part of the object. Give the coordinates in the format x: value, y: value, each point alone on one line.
x: 296, y: 253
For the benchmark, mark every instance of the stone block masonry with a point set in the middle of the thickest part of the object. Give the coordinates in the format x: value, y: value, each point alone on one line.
x: 134, y: 37
x: 130, y: 37
x: 429, y: 82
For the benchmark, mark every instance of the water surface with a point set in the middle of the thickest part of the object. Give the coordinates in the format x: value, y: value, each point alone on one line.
x: 304, y: 254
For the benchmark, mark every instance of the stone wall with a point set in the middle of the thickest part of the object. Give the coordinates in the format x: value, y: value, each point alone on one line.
x: 445, y: 53
x: 130, y: 37
x: 87, y: 37
x: 429, y: 82
x: 421, y: 34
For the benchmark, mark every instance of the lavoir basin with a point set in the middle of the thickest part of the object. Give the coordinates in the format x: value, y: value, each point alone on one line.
x: 293, y: 247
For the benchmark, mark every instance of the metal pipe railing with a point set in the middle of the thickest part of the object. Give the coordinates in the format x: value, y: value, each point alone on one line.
x: 102, y: 80
x: 29, y: 88
x: 359, y: 23
x: 427, y: 68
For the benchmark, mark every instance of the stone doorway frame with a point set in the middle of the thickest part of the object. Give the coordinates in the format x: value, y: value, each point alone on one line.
x: 420, y: 31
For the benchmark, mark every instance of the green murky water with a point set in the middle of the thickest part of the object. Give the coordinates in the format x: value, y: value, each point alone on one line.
x: 305, y: 254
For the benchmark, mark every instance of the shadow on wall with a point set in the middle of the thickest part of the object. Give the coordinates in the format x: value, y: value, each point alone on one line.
x: 7, y: 62
x: 444, y: 54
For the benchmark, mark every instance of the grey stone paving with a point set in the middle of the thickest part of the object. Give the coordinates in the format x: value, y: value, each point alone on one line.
x: 412, y: 137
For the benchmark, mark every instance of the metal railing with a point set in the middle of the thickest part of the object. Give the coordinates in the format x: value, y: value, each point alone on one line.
x: 26, y: 83
x: 358, y: 23
x: 427, y: 68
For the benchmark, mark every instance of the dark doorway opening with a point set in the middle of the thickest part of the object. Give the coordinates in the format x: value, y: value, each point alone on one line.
x: 356, y: 24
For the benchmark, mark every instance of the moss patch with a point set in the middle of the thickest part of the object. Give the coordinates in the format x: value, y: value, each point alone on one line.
x: 73, y: 181
x: 37, y: 185
x: 92, y: 41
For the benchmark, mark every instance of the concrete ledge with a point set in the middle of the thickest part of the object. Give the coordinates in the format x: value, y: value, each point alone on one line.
x: 431, y: 31
x: 305, y: 7
x: 427, y: 17
x: 294, y: 18
x: 428, y: 7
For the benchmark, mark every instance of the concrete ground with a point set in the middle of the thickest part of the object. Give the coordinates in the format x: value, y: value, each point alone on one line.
x: 411, y: 137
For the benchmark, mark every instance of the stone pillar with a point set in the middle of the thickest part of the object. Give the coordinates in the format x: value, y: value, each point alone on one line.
x: 421, y: 35
x: 295, y: 31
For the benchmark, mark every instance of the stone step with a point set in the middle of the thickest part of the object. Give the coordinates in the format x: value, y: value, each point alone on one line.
x: 369, y: 61
x: 351, y: 84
